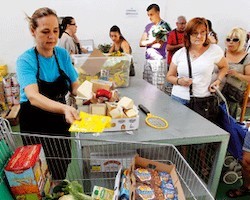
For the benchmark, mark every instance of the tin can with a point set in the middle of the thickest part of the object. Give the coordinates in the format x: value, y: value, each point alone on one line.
x: 104, y: 74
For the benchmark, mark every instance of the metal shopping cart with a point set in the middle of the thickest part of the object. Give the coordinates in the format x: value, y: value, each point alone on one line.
x: 89, y: 158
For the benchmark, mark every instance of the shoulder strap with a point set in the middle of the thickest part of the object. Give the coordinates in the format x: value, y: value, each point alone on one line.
x: 190, y: 72
x: 176, y: 36
x: 243, y: 59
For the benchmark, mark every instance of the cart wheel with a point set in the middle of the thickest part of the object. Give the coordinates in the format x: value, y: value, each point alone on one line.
x: 228, y: 160
x: 230, y: 177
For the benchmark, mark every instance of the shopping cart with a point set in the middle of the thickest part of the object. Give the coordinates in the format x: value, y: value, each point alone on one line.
x: 88, y: 158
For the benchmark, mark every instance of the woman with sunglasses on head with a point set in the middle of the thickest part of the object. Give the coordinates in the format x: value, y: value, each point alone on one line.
x: 68, y: 38
x: 239, y: 64
x: 45, y: 74
x: 202, y: 56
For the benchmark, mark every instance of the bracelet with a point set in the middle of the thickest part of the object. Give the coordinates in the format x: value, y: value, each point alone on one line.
x: 177, y: 82
x: 219, y: 79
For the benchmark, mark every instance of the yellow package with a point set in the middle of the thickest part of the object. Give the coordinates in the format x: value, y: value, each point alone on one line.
x: 101, y: 193
x: 90, y: 123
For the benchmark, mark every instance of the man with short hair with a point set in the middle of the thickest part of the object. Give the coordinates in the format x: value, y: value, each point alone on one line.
x: 155, y: 47
x: 175, y: 42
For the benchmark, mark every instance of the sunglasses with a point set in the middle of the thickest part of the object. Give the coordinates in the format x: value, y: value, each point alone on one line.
x: 233, y: 40
x: 73, y: 24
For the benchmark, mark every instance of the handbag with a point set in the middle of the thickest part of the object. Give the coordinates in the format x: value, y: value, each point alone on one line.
x: 234, y: 89
x: 207, y: 107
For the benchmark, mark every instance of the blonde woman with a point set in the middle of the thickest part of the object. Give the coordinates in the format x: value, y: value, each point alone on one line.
x: 239, y: 63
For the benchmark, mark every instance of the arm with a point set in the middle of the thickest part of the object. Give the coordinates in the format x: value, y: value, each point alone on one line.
x: 245, y: 76
x: 125, y: 46
x: 172, y: 77
x: 176, y: 47
x: 223, y: 67
x: 112, y: 49
x: 44, y: 103
x: 144, y: 42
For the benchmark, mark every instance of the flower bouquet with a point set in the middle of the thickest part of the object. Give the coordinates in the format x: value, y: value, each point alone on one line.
x: 160, y: 33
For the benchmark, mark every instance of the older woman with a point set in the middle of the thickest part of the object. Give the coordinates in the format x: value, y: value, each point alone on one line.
x: 203, y: 56
x: 239, y: 63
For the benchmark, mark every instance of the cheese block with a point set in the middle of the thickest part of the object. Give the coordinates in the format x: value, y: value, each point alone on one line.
x: 126, y: 103
x: 85, y: 90
x: 117, y: 113
x: 131, y: 113
x: 101, y: 84
x: 98, y: 109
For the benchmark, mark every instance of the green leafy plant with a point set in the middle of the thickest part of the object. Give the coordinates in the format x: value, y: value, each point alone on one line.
x: 104, y: 48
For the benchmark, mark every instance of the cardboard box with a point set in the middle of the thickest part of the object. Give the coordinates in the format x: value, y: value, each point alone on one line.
x: 13, y: 115
x: 143, y: 162
x: 104, y: 162
x: 27, y: 173
x: 124, y: 124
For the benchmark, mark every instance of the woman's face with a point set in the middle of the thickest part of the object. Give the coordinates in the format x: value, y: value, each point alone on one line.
x: 47, y: 32
x: 198, y: 37
x: 232, y: 43
x: 115, y: 36
x: 72, y: 26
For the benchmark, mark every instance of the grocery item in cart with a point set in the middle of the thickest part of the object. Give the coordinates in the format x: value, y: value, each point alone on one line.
x: 27, y: 172
x: 101, y: 193
x: 153, y: 182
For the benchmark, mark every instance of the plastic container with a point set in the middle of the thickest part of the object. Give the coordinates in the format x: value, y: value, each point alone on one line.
x: 90, y: 67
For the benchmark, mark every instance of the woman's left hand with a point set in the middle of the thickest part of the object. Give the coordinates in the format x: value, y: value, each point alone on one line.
x: 213, y: 85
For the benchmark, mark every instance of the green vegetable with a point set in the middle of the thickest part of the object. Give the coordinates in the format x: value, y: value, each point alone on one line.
x: 71, y: 190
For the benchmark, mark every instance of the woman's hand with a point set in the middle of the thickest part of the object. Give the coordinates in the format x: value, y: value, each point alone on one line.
x: 232, y: 72
x: 71, y: 114
x: 213, y: 85
x: 185, y: 81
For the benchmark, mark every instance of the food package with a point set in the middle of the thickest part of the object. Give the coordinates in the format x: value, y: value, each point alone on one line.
x: 27, y: 173
x: 90, y: 123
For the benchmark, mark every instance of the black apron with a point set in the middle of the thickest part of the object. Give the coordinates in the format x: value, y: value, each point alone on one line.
x: 37, y: 121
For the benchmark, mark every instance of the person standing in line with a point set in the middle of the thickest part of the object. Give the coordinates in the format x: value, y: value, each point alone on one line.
x: 175, y: 42
x: 155, y: 47
x: 212, y: 35
x: 45, y: 74
x: 68, y: 38
x: 203, y: 56
x: 239, y: 67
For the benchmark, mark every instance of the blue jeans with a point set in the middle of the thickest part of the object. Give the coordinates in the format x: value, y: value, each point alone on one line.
x: 180, y: 100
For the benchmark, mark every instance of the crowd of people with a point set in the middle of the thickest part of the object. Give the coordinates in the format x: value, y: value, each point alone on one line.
x: 186, y: 57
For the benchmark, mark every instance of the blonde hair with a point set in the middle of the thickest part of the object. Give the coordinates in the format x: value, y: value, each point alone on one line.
x: 39, y: 13
x: 239, y: 33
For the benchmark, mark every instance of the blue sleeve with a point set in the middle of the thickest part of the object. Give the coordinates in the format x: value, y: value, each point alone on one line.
x: 26, y: 70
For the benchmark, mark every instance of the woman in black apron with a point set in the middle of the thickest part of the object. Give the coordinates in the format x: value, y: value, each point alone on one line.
x: 49, y: 116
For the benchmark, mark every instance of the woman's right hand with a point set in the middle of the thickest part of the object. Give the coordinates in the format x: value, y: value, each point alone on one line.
x: 71, y: 114
x: 185, y: 81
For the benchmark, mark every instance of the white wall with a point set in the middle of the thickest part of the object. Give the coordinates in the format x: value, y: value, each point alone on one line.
x: 95, y: 17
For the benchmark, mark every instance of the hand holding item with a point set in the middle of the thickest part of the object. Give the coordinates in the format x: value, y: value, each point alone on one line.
x: 71, y: 114
x: 214, y: 85
x: 185, y: 81
x: 232, y: 72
